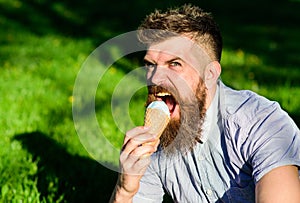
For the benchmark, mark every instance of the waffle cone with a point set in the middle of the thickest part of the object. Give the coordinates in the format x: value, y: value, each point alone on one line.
x: 157, y: 120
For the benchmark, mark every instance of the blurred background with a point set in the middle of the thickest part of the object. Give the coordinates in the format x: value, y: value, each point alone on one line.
x: 43, y: 44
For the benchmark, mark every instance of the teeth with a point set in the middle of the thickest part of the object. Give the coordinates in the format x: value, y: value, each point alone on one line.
x: 163, y: 94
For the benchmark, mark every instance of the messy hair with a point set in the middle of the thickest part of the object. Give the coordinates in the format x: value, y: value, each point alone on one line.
x: 186, y: 20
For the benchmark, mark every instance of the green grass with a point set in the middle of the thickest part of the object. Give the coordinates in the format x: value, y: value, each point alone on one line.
x: 41, y: 156
x: 248, y: 71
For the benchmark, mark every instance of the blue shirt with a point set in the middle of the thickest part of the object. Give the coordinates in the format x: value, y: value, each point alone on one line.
x: 245, y: 136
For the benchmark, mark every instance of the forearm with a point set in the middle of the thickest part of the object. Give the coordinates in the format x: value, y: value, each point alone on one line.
x: 124, y: 194
x: 133, y: 163
x: 120, y: 195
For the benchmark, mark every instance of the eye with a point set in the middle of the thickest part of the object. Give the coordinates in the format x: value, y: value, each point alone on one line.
x: 149, y: 65
x: 175, y: 64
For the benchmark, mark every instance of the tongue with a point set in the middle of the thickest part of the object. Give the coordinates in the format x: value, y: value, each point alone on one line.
x: 170, y: 103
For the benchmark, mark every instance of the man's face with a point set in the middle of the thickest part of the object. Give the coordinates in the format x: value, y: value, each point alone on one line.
x: 175, y: 70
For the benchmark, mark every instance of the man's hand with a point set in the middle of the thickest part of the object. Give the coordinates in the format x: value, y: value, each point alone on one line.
x: 281, y: 184
x: 134, y: 160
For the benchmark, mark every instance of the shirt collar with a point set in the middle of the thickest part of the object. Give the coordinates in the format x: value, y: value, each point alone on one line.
x: 210, y: 117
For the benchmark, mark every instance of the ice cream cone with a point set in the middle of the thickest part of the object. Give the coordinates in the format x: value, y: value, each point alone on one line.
x: 157, y: 118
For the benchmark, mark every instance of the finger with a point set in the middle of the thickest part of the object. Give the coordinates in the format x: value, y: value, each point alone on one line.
x: 153, y: 143
x: 135, y: 163
x: 136, y: 144
x: 141, y: 166
x: 142, y: 150
x: 133, y: 141
x: 138, y: 168
x: 135, y: 132
x: 135, y: 155
x: 156, y: 144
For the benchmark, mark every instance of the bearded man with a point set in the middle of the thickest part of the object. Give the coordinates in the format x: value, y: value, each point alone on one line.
x: 221, y: 145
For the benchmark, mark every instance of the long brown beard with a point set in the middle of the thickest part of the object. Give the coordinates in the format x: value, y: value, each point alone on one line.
x: 182, y: 135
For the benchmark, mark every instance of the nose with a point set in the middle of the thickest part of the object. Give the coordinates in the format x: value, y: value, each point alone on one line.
x: 150, y: 74
x: 156, y: 75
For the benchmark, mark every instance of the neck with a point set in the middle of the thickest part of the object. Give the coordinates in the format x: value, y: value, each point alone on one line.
x: 210, y: 95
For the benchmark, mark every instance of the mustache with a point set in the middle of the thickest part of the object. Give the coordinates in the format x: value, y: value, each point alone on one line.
x: 157, y: 91
x: 154, y: 89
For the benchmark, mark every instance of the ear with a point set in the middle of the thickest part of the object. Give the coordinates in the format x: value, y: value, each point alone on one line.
x: 212, y: 73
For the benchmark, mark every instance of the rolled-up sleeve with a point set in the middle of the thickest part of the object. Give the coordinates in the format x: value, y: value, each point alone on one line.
x: 273, y: 141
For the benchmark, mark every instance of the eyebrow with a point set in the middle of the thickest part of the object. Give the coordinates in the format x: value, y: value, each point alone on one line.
x: 168, y: 61
x: 147, y: 61
x: 174, y: 59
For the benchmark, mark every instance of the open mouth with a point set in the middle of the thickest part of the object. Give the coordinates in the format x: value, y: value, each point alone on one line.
x: 160, y: 94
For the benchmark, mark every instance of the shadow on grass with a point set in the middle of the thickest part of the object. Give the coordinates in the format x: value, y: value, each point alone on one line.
x: 78, y: 179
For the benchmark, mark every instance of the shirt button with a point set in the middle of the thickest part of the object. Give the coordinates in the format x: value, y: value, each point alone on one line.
x: 208, y: 192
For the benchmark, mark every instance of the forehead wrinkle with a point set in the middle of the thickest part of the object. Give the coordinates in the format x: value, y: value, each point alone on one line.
x: 183, y: 47
x: 174, y: 47
x: 160, y: 57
